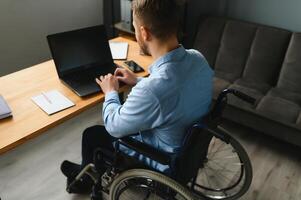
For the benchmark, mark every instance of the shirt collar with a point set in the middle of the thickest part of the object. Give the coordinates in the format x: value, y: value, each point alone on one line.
x: 175, y: 54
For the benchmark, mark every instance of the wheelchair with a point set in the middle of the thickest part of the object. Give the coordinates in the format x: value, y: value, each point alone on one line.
x: 211, y: 165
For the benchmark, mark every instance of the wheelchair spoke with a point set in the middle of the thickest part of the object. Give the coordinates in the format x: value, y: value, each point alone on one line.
x: 222, y: 175
x: 222, y: 158
x: 221, y: 181
x: 222, y: 167
x: 238, y: 164
x: 211, y: 162
x: 223, y: 170
x: 219, y: 150
x: 207, y: 177
x: 213, y: 145
x: 141, y: 188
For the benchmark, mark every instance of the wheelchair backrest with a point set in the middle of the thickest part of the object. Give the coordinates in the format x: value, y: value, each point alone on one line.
x: 214, y: 117
x: 193, y: 153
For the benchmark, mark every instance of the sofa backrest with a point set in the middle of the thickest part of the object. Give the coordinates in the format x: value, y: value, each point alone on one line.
x: 266, y: 55
x: 238, y: 49
x: 234, y: 49
x: 208, y: 38
x: 290, y: 75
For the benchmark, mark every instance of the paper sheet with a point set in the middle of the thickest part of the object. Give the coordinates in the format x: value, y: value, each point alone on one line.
x: 52, y: 102
x: 119, y: 50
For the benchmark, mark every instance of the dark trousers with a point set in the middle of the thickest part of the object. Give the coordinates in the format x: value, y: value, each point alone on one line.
x: 97, y: 137
x: 93, y: 138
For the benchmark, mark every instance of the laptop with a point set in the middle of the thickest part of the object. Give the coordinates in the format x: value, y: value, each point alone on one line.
x: 80, y: 56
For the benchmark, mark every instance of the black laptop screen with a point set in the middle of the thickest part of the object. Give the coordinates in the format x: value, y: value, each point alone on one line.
x: 80, y: 49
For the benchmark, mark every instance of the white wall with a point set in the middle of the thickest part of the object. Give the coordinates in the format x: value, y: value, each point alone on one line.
x: 24, y: 25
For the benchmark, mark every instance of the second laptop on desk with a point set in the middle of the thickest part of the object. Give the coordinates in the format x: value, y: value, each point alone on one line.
x: 80, y: 56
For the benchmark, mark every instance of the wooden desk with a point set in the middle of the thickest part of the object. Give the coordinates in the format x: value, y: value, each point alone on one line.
x: 28, y: 119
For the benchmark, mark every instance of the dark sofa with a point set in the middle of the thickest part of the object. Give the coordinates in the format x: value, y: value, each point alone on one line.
x: 261, y: 61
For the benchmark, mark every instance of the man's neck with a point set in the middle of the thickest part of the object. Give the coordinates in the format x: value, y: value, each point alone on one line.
x: 158, y: 48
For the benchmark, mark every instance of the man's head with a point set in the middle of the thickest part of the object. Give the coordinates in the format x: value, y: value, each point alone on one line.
x: 155, y: 20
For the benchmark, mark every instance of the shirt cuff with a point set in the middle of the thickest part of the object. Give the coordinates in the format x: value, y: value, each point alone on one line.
x: 139, y: 79
x: 112, y: 95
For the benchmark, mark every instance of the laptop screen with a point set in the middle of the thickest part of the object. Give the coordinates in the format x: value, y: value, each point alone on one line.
x: 78, y: 49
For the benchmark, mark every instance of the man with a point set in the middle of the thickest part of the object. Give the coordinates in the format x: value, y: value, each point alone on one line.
x: 161, y: 107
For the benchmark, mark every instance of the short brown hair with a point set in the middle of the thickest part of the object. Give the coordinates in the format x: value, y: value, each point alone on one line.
x: 161, y: 17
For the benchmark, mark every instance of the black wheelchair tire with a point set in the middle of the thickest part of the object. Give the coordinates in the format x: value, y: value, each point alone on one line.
x: 244, y: 158
x: 148, y: 174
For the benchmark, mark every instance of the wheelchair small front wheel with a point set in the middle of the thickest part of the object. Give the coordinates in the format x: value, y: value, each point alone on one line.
x: 147, y: 184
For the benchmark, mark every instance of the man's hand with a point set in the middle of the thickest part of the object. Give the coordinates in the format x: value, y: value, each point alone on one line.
x: 108, y: 83
x: 126, y: 76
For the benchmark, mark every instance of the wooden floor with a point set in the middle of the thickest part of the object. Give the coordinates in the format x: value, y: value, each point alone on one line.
x: 276, y: 166
x: 31, y: 171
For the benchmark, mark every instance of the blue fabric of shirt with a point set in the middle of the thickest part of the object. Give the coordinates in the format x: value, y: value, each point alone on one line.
x: 163, y: 106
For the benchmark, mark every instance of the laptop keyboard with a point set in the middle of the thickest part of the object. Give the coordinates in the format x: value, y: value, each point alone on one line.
x: 88, y: 76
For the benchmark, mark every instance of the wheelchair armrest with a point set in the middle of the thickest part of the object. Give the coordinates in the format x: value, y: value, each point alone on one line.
x: 146, y: 150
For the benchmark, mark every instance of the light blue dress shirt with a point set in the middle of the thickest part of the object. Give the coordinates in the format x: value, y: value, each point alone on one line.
x: 164, y: 105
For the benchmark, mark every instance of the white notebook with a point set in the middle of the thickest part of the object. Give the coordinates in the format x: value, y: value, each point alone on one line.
x: 119, y: 50
x: 52, y: 101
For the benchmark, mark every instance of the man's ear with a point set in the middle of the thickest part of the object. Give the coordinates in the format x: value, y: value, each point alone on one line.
x: 145, y: 33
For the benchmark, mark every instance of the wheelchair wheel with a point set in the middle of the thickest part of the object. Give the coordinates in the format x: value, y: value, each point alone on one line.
x: 226, y: 173
x: 145, y: 184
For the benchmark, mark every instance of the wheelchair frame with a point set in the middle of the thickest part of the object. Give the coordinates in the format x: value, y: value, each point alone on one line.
x: 210, y: 123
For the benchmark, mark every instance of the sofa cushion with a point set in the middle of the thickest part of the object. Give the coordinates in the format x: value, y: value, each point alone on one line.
x: 284, y: 94
x: 237, y: 102
x: 267, y: 55
x: 224, y: 75
x: 299, y: 121
x: 235, y: 47
x: 208, y: 38
x: 259, y: 86
x: 278, y: 109
x: 290, y: 74
x: 219, y: 85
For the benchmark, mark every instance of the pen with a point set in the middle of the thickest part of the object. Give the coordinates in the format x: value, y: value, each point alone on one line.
x: 45, y: 96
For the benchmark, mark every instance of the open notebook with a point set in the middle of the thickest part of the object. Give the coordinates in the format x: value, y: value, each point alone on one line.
x: 52, y: 101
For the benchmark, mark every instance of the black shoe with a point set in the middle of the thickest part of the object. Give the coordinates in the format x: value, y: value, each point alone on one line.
x: 81, y: 186
x: 70, y: 169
